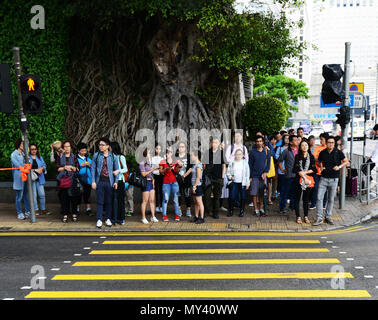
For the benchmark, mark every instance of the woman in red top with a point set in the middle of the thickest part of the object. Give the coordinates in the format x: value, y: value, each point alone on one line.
x: 169, y: 169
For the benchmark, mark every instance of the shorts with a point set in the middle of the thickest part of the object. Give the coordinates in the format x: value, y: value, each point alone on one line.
x: 257, y: 186
x: 149, y: 186
x: 199, y: 192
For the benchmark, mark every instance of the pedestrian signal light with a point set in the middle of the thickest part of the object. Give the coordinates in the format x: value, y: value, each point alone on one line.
x: 31, y: 93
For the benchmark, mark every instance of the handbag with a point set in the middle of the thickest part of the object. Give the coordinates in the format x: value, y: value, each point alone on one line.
x: 137, y: 180
x: 126, y: 175
x: 65, y: 182
x: 34, y: 175
x: 206, y: 181
x: 272, y: 170
x: 312, y: 182
x: 75, y: 189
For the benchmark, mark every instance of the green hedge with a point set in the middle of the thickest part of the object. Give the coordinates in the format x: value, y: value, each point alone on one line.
x: 265, y: 114
x: 44, y: 52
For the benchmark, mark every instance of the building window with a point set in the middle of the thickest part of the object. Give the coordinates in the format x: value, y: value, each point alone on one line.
x: 351, y: 3
x: 332, y: 3
x: 344, y: 3
x: 300, y: 77
x: 357, y: 3
x: 301, y: 38
x: 338, y: 3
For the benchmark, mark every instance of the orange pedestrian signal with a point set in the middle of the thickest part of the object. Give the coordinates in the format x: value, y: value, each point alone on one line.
x: 30, y: 84
x: 31, y: 93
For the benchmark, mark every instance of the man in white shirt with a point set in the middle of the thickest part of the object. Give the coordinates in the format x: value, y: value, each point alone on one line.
x: 374, y: 155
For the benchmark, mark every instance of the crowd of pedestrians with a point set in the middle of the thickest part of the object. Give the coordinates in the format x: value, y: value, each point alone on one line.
x: 284, y: 167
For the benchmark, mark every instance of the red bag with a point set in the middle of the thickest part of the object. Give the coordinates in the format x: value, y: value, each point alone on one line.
x: 65, y: 182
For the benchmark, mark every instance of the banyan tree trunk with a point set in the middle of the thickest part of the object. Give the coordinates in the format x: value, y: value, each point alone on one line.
x: 138, y: 73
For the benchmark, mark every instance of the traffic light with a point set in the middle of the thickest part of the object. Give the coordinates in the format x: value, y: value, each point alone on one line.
x: 332, y: 88
x: 343, y: 118
x: 6, y: 101
x: 31, y: 93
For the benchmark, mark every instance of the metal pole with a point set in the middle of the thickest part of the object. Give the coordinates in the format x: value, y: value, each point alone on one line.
x: 17, y: 67
x: 351, y: 135
x: 365, y: 116
x: 376, y: 98
x: 344, y: 132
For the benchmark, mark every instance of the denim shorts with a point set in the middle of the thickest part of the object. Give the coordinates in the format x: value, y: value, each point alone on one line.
x: 149, y: 186
x: 199, y: 192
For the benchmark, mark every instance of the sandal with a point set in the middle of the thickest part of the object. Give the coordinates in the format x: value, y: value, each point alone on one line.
x: 270, y: 202
x: 299, y: 220
x: 65, y: 219
x: 306, y: 220
x: 74, y: 218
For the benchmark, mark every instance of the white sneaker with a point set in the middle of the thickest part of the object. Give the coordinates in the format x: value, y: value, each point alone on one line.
x: 251, y: 204
x: 153, y: 219
x: 144, y: 221
x: 188, y: 213
x: 99, y: 224
x: 108, y: 223
x: 223, y: 209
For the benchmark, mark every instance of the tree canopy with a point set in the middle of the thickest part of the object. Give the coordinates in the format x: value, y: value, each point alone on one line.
x: 281, y: 87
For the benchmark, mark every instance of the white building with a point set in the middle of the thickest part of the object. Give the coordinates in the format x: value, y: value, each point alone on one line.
x: 335, y: 22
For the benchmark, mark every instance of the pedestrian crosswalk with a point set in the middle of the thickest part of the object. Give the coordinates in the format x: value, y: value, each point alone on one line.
x: 182, y: 267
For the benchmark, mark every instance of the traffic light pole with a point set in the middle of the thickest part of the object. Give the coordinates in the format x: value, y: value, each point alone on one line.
x: 24, y: 129
x: 344, y: 131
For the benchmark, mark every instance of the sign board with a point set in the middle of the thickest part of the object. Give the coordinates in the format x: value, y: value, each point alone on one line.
x: 356, y: 86
x: 334, y: 105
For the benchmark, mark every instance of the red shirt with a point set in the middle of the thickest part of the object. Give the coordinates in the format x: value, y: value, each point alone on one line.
x: 169, y: 176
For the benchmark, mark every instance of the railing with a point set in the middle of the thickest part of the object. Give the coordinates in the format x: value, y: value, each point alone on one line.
x: 367, y: 178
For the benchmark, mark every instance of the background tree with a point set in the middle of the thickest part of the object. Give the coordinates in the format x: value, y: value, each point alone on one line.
x: 267, y: 114
x: 139, y: 62
x: 281, y: 87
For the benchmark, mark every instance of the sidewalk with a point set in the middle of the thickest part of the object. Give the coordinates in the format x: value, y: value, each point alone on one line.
x: 353, y: 214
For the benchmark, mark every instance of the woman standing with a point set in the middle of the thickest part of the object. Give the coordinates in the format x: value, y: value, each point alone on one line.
x: 67, y: 166
x: 148, y: 193
x: 304, y: 167
x: 84, y: 177
x: 185, y: 182
x: 38, y: 165
x: 158, y: 179
x: 197, y: 190
x: 18, y: 160
x: 169, y: 169
x: 118, y: 214
x: 238, y: 176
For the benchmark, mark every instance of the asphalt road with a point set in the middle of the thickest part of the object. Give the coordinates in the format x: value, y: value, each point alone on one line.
x: 47, y: 266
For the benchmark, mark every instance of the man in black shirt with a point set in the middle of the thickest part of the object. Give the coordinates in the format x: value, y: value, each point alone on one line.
x: 330, y: 161
x: 215, y: 169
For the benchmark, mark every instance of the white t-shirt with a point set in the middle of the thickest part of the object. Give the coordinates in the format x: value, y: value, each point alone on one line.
x: 374, y: 155
x: 238, y: 171
x: 155, y: 163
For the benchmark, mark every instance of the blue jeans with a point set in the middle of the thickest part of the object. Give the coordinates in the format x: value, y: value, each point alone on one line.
x: 237, y: 192
x: 22, y: 194
x: 287, y: 192
x: 325, y: 185
x: 314, y: 198
x: 169, y: 188
x: 38, y: 189
x: 104, y: 193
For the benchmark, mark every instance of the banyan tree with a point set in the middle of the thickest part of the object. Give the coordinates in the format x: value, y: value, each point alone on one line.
x: 136, y: 62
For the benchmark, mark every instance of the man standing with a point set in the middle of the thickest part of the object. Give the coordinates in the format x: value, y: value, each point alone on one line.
x: 287, y: 187
x: 300, y: 132
x: 215, y: 169
x: 374, y: 155
x: 104, y: 168
x: 330, y: 161
x: 259, y: 165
